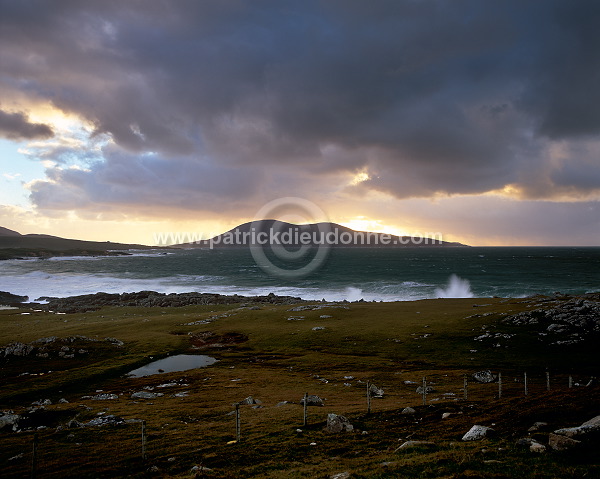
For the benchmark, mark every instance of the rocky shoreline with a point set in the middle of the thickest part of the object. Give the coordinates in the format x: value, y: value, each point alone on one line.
x: 149, y: 299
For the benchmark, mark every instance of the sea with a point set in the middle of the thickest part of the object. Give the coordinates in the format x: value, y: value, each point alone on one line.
x: 371, y: 274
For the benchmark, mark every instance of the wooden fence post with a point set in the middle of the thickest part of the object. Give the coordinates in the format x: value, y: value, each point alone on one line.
x: 144, y: 456
x: 368, y: 397
x: 34, y: 459
x: 305, y: 421
x: 499, y: 385
x: 237, y: 422
x: 424, y: 391
x: 465, y: 388
x: 547, y: 380
x: 570, y: 381
x: 525, y: 383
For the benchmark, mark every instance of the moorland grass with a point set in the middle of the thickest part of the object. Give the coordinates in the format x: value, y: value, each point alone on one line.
x: 385, y: 343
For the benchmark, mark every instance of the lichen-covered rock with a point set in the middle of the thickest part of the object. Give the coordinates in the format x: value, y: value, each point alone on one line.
x: 485, y: 377
x: 312, y: 400
x: 375, y: 391
x: 145, y: 395
x: 413, y: 444
x: 560, y: 443
x: 9, y: 420
x: 337, y: 424
x: 477, y: 433
x: 251, y: 401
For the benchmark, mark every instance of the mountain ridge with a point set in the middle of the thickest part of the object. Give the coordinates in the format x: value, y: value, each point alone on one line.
x: 333, y: 234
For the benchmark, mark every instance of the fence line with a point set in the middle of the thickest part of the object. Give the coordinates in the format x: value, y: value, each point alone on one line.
x: 470, y: 390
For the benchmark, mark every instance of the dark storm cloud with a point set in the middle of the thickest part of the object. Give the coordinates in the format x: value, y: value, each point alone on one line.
x: 16, y: 126
x: 429, y: 97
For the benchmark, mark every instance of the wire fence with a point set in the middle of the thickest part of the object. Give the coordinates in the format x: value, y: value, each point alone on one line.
x: 46, y: 452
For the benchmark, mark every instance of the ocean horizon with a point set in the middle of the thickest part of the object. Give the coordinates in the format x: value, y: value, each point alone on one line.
x: 371, y: 274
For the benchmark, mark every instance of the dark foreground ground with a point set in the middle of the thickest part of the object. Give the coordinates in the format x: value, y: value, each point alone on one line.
x: 63, y: 388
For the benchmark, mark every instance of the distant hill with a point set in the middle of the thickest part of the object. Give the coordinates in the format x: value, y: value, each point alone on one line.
x: 7, y: 232
x: 16, y: 245
x: 288, y: 234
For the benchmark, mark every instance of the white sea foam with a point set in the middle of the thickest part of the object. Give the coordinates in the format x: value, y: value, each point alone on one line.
x: 456, y: 288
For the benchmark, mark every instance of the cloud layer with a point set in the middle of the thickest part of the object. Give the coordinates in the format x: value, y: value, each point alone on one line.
x: 217, y: 104
x: 16, y: 126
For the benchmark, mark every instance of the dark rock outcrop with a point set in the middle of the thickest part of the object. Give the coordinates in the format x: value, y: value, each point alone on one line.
x: 9, y: 299
x: 145, y: 299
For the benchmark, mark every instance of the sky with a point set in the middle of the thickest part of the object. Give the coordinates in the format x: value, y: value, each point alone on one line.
x: 475, y: 119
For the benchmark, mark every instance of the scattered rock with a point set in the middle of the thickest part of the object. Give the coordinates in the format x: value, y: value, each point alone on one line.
x: 340, y: 475
x: 428, y: 390
x: 593, y: 422
x: 485, y: 376
x: 538, y: 426
x: 104, y: 397
x: 337, y: 424
x: 318, y: 328
x: 9, y: 420
x: 312, y: 400
x: 537, y: 447
x: 63, y: 401
x: 200, y: 469
x: 375, y: 391
x: 562, y: 443
x: 109, y: 419
x: 250, y: 400
x: 476, y: 433
x: 411, y: 444
x: 17, y: 349
x: 145, y: 395
x: 408, y: 410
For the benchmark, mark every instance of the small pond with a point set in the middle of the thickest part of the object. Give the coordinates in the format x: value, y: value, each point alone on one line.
x: 180, y: 362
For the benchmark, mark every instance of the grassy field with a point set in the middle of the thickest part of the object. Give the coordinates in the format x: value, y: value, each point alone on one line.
x: 275, y: 354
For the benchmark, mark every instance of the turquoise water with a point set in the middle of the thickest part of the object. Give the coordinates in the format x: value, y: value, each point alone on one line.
x: 371, y: 274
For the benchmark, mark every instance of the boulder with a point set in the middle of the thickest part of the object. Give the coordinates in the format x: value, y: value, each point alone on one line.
x: 411, y: 444
x: 250, y: 401
x: 104, y: 397
x: 538, y: 426
x: 408, y: 410
x: 9, y: 421
x: 593, y: 422
x: 106, y: 420
x: 428, y: 390
x: 337, y: 424
x: 18, y: 349
x: 562, y: 443
x: 145, y: 395
x: 537, y: 447
x: 476, y: 433
x: 375, y: 391
x: 484, y: 376
x: 312, y: 400
x: 340, y: 475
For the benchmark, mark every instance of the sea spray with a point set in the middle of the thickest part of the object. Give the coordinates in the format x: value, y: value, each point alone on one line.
x: 353, y: 294
x: 456, y: 288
